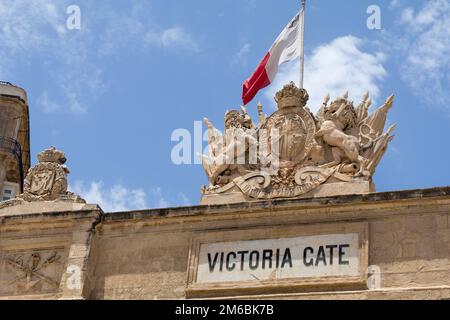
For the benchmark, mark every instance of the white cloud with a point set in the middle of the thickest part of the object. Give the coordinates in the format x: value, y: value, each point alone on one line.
x: 38, y: 27
x: 25, y: 29
x: 160, y: 201
x: 47, y: 104
x: 426, y: 39
x: 334, y: 68
x: 129, y: 31
x: 119, y: 198
x: 25, y: 24
x: 175, y: 37
x: 184, y: 200
x: 240, y: 57
x: 115, y: 199
x: 394, y: 4
x: 407, y: 15
x: 250, y: 5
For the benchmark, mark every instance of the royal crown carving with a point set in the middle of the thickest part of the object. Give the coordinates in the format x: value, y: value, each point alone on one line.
x: 52, y: 155
x: 293, y: 152
x: 291, y: 96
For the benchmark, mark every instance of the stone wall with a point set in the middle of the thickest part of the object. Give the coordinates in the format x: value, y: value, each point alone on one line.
x: 150, y: 254
x: 45, y: 250
x: 2, y: 173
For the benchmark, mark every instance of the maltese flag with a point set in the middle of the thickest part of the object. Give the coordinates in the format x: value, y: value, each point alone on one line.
x: 287, y: 47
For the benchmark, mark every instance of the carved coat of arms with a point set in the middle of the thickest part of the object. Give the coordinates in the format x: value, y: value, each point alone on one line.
x: 293, y: 152
x: 47, y: 181
x: 42, y: 182
x: 291, y: 134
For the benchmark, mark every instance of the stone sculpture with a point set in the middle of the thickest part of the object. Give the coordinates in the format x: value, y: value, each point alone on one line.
x: 47, y: 181
x: 223, y: 164
x: 34, y: 271
x: 293, y: 153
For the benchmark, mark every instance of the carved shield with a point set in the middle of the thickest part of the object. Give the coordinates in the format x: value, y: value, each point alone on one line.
x: 291, y: 135
x: 42, y: 182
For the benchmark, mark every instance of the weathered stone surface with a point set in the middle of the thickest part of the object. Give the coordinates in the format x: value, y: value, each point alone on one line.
x: 325, y: 190
x: 47, y: 181
x: 45, y: 249
x: 14, y: 137
x: 44, y: 207
x: 294, y: 154
x: 394, y: 219
x: 149, y: 254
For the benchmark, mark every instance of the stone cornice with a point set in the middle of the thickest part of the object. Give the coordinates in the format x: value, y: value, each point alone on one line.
x: 376, y: 200
x: 51, y: 212
x: 350, y: 208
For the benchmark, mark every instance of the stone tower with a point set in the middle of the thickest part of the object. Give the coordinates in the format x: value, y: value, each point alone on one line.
x: 14, y: 140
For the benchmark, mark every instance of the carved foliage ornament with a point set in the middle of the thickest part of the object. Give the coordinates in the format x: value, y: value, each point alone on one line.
x: 296, y: 151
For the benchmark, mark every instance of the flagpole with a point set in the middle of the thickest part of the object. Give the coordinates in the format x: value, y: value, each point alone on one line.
x: 302, y: 44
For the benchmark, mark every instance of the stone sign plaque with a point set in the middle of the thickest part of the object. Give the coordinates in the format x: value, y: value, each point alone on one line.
x: 289, y: 258
x: 301, y: 257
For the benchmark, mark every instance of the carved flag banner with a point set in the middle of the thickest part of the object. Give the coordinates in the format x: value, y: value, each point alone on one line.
x: 287, y: 47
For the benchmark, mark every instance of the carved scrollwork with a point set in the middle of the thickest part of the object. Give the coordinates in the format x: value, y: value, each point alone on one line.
x: 313, y: 176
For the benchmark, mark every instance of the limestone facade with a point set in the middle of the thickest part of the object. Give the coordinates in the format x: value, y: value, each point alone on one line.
x: 14, y: 139
x: 60, y: 250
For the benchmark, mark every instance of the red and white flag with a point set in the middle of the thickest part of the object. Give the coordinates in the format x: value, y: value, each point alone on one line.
x: 287, y: 47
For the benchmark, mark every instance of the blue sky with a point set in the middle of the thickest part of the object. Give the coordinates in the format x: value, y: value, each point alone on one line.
x: 111, y: 94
